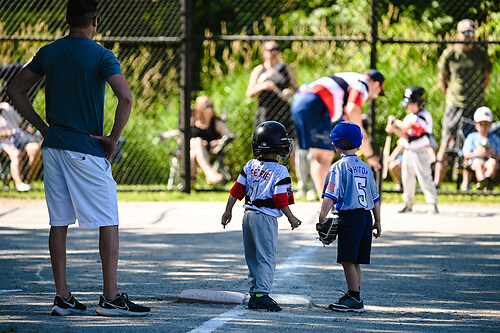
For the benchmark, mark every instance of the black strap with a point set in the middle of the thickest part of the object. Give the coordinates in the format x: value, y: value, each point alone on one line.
x: 284, y: 181
x: 365, y: 84
x: 423, y: 118
x: 413, y: 138
x: 269, y: 203
x: 342, y: 84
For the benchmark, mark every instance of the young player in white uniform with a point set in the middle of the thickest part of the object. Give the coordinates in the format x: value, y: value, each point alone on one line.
x: 350, y: 185
x: 267, y: 188
x: 416, y: 129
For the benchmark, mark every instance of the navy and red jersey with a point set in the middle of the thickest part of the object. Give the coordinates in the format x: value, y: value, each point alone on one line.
x: 266, y: 186
x: 338, y: 90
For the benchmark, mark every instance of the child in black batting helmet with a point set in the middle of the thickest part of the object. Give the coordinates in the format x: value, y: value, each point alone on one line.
x: 267, y: 188
x: 415, y: 130
x: 350, y: 185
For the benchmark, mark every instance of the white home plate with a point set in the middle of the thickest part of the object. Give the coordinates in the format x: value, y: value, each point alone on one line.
x: 210, y: 296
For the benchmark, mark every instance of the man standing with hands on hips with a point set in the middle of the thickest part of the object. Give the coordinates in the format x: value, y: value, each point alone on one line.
x: 77, y: 174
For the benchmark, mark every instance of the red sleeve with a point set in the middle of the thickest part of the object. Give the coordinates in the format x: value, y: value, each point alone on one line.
x: 415, y: 129
x: 238, y: 191
x: 291, y: 199
x: 280, y: 200
x: 355, y: 96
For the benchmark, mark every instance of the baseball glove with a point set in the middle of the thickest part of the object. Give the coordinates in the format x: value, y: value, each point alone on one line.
x: 328, y: 230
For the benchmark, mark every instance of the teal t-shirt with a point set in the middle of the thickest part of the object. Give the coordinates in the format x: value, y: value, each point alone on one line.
x: 76, y: 70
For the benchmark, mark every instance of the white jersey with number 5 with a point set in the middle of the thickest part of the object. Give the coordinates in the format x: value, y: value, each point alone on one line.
x: 350, y: 182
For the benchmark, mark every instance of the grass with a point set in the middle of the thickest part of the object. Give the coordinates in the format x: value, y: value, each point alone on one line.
x: 159, y: 193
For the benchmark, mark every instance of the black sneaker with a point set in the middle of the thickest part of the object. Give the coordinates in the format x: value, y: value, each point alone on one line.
x: 121, y: 306
x: 347, y: 303
x: 66, y: 307
x: 263, y: 302
x: 251, y: 302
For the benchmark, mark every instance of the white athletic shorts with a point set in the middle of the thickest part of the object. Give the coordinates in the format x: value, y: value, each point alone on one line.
x: 79, y: 186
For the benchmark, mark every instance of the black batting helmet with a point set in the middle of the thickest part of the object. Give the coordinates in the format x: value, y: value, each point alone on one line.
x: 271, y: 137
x: 415, y: 94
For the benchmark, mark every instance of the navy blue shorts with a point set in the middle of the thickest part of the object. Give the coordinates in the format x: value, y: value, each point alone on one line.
x: 355, y: 236
x: 312, y: 121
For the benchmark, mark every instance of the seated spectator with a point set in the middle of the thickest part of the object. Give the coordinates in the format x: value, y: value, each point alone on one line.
x: 396, y: 158
x: 394, y: 164
x: 481, y: 150
x: 207, y: 131
x: 16, y: 138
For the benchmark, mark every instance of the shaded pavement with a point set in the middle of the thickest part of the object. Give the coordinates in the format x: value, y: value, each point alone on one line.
x: 429, y: 273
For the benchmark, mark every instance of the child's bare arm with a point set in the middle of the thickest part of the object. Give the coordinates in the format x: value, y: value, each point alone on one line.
x: 396, y: 126
x: 294, y: 222
x: 227, y: 216
x: 377, y: 226
x: 397, y: 151
x: 326, y: 205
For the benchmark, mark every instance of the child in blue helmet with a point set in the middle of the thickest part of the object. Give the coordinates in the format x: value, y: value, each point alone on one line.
x: 350, y: 186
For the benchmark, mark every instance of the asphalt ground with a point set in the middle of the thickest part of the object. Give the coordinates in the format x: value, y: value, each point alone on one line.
x: 429, y: 273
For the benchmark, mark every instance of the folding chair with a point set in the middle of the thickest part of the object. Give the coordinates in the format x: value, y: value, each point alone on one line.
x: 4, y: 169
x: 217, y: 155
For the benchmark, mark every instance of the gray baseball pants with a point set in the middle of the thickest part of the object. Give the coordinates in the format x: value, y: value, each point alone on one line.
x: 260, y: 240
x: 416, y: 165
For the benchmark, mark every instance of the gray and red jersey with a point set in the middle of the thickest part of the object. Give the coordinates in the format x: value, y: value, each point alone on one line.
x: 419, y: 130
x: 350, y: 182
x: 266, y: 186
x: 338, y: 90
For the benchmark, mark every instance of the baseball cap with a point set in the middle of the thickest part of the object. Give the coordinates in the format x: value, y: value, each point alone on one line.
x: 375, y: 75
x: 346, y: 130
x: 483, y: 114
x: 466, y: 25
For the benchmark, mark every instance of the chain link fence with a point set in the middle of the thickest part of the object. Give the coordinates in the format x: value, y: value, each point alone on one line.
x: 174, y: 51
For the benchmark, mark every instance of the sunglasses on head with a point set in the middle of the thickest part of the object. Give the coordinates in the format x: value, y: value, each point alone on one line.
x: 273, y: 49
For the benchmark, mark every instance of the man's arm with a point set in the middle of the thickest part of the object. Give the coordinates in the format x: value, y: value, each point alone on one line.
x: 443, y: 82
x: 122, y: 91
x: 353, y: 112
x: 17, y: 91
x: 289, y: 92
x: 487, y: 77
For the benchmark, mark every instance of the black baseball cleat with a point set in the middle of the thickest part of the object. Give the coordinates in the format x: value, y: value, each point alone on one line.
x: 121, y: 306
x: 263, y: 302
x: 67, y: 307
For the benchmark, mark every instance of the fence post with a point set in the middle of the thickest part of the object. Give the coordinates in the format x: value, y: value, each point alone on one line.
x: 373, y: 64
x: 186, y: 88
